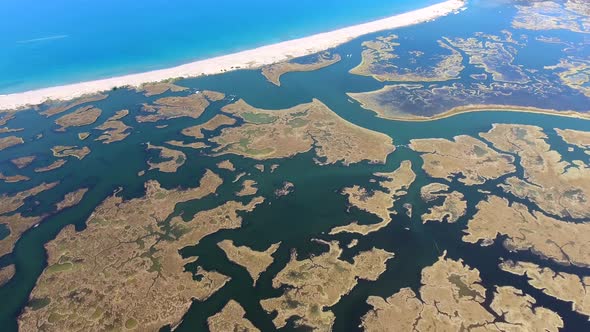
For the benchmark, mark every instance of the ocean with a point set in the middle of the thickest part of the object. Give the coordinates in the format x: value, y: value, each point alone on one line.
x: 49, y: 43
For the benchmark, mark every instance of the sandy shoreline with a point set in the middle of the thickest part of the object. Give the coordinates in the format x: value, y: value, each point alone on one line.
x: 249, y: 59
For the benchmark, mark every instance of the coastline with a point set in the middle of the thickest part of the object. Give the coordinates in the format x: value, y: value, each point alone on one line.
x: 249, y: 59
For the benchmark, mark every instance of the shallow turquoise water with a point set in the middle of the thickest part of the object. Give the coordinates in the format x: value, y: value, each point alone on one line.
x: 47, y: 43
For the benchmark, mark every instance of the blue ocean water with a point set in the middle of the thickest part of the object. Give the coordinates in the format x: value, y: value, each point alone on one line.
x: 48, y: 43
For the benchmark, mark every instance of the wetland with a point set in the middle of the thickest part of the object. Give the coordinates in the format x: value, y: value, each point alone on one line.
x: 436, y: 176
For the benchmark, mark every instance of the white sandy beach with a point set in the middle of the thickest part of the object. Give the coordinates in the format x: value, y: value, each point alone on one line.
x: 249, y: 59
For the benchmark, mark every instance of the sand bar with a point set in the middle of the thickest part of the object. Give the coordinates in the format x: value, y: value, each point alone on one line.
x: 253, y: 58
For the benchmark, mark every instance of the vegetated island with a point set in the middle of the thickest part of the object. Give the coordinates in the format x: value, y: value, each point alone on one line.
x: 312, y: 285
x: 10, y: 141
x: 378, y: 102
x: 510, y: 87
x: 255, y: 262
x: 22, y: 162
x: 231, y: 318
x: 560, y: 285
x: 215, y: 122
x: 274, y: 72
x: 113, y: 129
x: 378, y: 202
x: 453, y: 206
x: 451, y: 297
x: 13, y: 178
x: 378, y: 61
x: 54, y: 165
x: 139, y: 279
x: 157, y: 88
x: 248, y: 188
x: 81, y: 117
x: 578, y: 138
x: 62, y: 151
x: 270, y: 134
x: 170, y: 161
x: 175, y: 107
x: 465, y: 155
x: 547, y: 237
x: 558, y: 187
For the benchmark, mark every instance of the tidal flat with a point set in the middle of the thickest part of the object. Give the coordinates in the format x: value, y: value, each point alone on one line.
x: 230, y: 202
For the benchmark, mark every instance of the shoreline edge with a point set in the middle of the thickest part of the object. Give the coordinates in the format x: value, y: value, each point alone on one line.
x: 248, y: 59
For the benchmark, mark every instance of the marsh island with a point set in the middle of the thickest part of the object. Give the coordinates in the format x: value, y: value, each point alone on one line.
x: 434, y: 176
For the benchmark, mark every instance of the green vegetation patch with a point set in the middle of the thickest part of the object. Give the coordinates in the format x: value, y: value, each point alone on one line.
x: 479, y: 151
x: 297, y: 122
x: 130, y: 323
x: 96, y: 220
x: 244, y: 142
x: 464, y: 289
x: 177, y: 231
x: 258, y: 118
x: 60, y: 267
x: 54, y: 317
x: 37, y: 304
x: 97, y: 314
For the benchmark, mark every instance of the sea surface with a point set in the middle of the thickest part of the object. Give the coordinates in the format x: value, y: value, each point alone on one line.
x: 49, y: 43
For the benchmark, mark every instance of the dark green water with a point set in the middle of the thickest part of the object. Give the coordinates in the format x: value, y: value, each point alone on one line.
x: 316, y: 204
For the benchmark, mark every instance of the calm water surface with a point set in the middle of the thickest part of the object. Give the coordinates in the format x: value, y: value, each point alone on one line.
x: 48, y: 43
